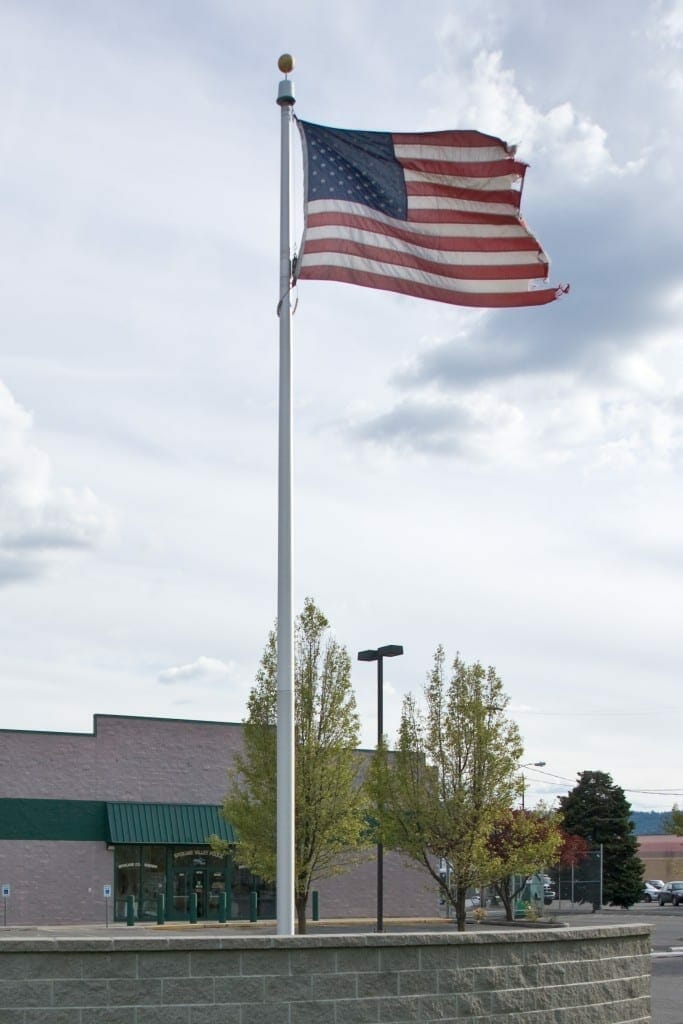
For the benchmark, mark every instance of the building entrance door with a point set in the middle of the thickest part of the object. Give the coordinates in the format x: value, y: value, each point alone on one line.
x: 206, y: 884
x: 186, y: 882
x: 198, y: 887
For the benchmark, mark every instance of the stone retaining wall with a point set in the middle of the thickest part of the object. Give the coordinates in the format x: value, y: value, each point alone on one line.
x: 563, y: 976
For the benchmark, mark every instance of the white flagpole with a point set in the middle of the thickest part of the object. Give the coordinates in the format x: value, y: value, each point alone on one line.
x: 285, y: 630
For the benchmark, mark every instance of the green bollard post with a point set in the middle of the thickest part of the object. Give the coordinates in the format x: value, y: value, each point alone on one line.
x: 222, y: 907
x: 130, y: 911
x: 253, y: 906
x: 316, y: 905
x: 192, y: 907
x: 161, y: 908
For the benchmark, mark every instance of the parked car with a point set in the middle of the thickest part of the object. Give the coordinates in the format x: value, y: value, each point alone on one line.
x: 548, y: 894
x: 671, y: 893
x: 650, y: 892
x: 657, y: 882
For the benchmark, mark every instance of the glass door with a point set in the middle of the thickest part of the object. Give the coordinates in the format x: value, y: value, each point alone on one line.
x: 181, y: 892
x: 199, y: 887
x: 207, y: 875
x: 185, y: 883
x: 217, y: 886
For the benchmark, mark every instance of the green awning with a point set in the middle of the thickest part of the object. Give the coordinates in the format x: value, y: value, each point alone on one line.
x: 167, y: 824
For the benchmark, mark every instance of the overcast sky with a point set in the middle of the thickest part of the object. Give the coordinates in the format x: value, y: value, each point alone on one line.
x: 508, y: 484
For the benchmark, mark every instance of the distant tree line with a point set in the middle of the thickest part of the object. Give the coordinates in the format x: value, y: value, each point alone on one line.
x: 650, y: 823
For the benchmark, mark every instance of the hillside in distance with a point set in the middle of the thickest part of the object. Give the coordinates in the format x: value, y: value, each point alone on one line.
x: 649, y: 823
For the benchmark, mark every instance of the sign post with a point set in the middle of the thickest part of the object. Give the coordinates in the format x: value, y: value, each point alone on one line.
x: 106, y: 892
x: 5, y: 897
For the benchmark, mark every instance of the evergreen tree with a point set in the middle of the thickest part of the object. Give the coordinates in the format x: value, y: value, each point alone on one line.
x: 599, y: 811
x: 330, y: 818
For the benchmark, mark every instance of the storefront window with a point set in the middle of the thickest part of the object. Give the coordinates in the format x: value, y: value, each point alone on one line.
x: 140, y: 873
x: 153, y: 879
x: 243, y: 884
x: 145, y: 872
x: 127, y: 864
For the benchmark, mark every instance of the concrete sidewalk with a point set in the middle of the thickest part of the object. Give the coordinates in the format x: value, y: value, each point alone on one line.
x: 495, y: 918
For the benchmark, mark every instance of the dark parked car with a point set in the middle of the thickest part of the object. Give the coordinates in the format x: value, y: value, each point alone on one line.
x: 671, y: 893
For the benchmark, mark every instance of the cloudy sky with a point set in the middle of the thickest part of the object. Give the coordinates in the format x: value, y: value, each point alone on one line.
x: 508, y: 484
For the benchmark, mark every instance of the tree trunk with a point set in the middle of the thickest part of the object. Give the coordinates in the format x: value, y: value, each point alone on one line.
x: 460, y: 909
x: 300, y: 902
x: 503, y: 890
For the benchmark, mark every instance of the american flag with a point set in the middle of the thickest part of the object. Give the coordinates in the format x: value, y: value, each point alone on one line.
x: 432, y: 214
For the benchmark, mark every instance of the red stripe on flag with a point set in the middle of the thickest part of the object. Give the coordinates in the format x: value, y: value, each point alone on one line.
x: 469, y: 139
x: 428, y: 188
x: 463, y: 169
x: 487, y: 300
x: 447, y: 216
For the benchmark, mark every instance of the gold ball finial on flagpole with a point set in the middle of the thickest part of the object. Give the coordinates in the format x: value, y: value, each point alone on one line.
x: 285, y: 63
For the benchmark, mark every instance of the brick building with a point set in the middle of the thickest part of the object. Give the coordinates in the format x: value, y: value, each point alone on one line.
x: 131, y: 806
x: 662, y: 856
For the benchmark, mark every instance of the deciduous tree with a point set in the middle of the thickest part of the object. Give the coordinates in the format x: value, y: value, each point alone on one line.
x: 329, y: 805
x: 574, y: 850
x: 523, y: 842
x: 452, y: 776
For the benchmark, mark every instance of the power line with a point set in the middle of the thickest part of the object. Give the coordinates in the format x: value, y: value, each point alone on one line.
x: 627, y: 789
x: 594, y: 714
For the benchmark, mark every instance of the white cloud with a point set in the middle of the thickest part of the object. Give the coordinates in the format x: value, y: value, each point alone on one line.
x: 481, y: 90
x: 668, y: 29
x: 38, y: 516
x: 208, y: 671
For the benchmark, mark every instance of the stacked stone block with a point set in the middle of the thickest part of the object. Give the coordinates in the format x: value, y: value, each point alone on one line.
x: 563, y: 976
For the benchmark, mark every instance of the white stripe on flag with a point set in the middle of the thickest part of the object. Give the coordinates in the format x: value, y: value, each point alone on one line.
x: 451, y: 154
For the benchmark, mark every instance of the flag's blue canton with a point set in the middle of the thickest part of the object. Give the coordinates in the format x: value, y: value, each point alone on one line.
x: 358, y: 167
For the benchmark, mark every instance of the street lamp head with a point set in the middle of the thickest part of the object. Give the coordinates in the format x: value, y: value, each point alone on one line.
x: 390, y: 650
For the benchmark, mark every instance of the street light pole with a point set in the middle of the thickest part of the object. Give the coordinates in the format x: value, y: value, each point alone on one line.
x: 529, y: 764
x: 378, y: 655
